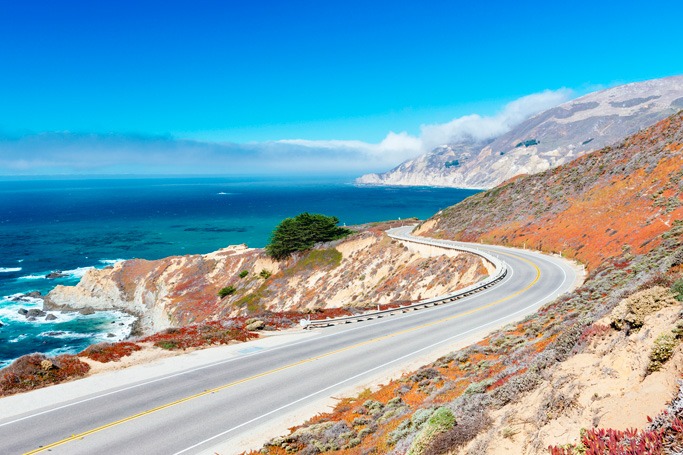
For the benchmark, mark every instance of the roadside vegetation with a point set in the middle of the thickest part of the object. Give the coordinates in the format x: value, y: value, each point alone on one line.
x: 37, y: 370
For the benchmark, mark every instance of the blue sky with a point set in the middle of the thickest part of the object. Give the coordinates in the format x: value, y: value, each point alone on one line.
x: 259, y: 71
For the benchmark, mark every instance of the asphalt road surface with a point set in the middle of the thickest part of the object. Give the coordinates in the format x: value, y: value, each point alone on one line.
x: 209, y: 407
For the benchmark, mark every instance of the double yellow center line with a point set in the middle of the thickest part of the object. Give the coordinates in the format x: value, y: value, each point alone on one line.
x: 82, y: 435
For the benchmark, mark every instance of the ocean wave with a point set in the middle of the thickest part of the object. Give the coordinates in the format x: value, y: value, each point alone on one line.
x: 65, y: 334
x: 111, y: 261
x: 17, y: 339
x: 10, y: 300
x: 78, y: 272
x: 32, y: 277
x: 10, y: 269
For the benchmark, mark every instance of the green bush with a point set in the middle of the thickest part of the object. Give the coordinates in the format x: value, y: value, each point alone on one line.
x: 677, y: 289
x: 243, y: 273
x: 302, y: 232
x: 265, y: 274
x: 440, y: 421
x: 661, y: 351
x: 226, y: 291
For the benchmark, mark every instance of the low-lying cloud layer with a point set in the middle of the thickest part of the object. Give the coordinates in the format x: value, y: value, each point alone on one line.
x: 67, y: 153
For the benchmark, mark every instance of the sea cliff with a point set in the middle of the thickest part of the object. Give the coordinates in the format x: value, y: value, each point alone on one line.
x: 365, y: 269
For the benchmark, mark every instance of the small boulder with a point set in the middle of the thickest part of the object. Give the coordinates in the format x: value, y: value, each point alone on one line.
x: 50, y: 317
x: 56, y: 274
x: 256, y: 325
x: 35, y: 312
x: 23, y: 311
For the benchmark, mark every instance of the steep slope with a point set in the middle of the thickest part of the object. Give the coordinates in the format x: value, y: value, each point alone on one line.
x: 618, y: 199
x: 549, y: 139
x: 367, y: 269
x: 608, y: 355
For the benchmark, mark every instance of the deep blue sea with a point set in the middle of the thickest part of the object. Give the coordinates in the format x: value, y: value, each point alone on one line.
x: 73, y: 225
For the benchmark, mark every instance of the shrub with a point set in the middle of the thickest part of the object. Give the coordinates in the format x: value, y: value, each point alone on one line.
x: 265, y: 274
x: 244, y: 273
x: 463, y: 432
x: 108, y: 352
x: 302, y: 232
x: 37, y: 370
x: 226, y: 291
x: 631, y: 312
x: 662, y: 350
x: 439, y: 422
x: 195, y: 336
x: 677, y: 290
x: 614, y: 442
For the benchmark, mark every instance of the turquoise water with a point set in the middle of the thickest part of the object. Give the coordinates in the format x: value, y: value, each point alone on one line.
x: 74, y: 225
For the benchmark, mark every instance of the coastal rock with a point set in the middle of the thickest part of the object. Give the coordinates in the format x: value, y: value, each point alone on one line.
x: 56, y: 274
x: 22, y: 311
x: 34, y: 312
x: 256, y: 325
x: 50, y: 317
x: 27, y: 297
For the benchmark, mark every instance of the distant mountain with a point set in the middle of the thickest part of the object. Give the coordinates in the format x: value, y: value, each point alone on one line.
x: 547, y: 140
x: 613, y: 202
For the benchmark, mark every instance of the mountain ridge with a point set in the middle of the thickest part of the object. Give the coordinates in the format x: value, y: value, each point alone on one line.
x: 546, y: 140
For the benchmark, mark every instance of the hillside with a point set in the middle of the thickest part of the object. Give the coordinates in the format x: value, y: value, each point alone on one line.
x: 585, y: 369
x: 616, y: 200
x: 366, y: 269
x: 547, y: 140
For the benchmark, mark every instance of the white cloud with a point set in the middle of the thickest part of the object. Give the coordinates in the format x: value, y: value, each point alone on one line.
x: 398, y: 147
x: 477, y: 128
x: 91, y: 153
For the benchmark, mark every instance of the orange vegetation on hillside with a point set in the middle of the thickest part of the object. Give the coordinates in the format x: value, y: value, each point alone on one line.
x: 614, y: 200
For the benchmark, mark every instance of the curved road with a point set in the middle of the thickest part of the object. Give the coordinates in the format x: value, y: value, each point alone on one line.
x: 220, y: 396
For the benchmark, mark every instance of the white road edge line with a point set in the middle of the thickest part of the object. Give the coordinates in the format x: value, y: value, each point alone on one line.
x: 222, y: 362
x: 539, y: 302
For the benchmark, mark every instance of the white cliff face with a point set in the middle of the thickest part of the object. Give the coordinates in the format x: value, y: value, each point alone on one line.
x: 155, y: 291
x: 547, y: 140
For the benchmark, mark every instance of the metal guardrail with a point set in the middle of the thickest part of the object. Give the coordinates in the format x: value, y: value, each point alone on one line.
x: 403, y: 233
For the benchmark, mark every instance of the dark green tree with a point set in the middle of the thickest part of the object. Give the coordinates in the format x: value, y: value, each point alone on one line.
x: 302, y: 232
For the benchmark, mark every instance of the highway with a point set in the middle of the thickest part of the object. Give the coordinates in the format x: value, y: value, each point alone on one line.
x: 212, y: 403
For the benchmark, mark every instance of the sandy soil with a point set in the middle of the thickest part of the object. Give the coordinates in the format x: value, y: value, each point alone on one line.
x: 605, y: 386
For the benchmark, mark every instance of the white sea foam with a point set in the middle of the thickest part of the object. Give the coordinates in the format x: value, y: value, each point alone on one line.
x: 32, y: 277
x: 17, y: 339
x: 111, y: 261
x: 9, y: 300
x: 77, y: 273
x: 10, y: 269
x: 121, y: 329
x: 9, y: 311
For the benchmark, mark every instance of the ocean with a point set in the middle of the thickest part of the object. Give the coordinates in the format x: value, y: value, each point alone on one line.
x: 73, y: 225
